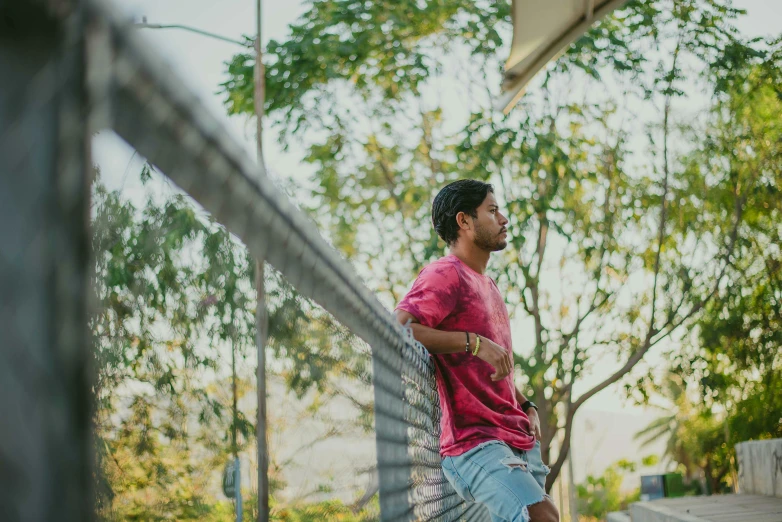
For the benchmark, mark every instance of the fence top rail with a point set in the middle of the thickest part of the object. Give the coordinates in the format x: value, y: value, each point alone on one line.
x: 153, y: 109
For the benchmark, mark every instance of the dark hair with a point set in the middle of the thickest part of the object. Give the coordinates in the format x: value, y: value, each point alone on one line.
x: 464, y: 195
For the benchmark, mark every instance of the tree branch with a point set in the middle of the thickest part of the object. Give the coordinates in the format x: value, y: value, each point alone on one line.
x: 391, y: 185
x: 647, y: 343
x: 428, y: 140
x: 608, y: 217
x: 540, y: 251
x: 666, y: 175
x: 670, y: 327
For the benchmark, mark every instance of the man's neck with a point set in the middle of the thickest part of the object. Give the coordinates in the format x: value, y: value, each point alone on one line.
x: 472, y: 256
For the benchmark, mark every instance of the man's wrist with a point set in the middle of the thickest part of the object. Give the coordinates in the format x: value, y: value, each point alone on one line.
x: 527, y: 405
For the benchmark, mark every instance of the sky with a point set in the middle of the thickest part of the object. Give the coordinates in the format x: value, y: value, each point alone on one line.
x: 200, y: 61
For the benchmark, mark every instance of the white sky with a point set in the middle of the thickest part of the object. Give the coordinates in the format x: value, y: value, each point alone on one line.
x: 200, y: 61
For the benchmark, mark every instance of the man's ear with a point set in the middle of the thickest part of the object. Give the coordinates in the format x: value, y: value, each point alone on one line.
x: 464, y: 220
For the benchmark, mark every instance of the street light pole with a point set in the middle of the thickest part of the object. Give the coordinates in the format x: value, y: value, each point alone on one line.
x: 260, y: 314
x: 145, y: 25
x: 259, y: 96
x: 234, y: 444
x: 260, y: 85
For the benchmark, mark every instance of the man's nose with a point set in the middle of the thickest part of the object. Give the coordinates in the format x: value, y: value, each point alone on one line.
x: 503, y: 220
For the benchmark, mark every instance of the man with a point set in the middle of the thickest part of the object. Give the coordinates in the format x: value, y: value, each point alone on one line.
x: 490, y: 440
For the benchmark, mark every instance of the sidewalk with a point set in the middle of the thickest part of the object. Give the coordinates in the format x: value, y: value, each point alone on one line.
x: 760, y: 481
x: 716, y: 508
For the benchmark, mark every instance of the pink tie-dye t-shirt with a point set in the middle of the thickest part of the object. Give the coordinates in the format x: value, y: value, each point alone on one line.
x: 448, y: 295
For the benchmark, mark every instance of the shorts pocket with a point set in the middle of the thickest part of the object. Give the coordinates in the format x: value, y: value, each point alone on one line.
x: 452, y: 474
x: 537, y: 468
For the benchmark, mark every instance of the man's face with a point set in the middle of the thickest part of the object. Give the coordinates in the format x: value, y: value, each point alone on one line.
x: 490, y: 231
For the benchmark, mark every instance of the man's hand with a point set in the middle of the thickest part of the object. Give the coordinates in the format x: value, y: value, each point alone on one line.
x: 534, y: 422
x: 497, y: 356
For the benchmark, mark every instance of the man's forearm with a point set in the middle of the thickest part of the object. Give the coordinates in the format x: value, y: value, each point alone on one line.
x: 438, y: 341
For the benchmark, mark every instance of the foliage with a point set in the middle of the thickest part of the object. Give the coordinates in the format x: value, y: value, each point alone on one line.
x: 734, y: 366
x: 172, y: 299
x: 639, y: 238
x: 207, y: 509
x: 331, y: 510
x: 175, y: 297
x: 379, y: 48
x: 739, y: 364
x: 695, y: 440
x: 599, y: 495
x: 692, y: 434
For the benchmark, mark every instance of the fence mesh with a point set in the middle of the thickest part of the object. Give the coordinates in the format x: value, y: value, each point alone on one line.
x: 70, y: 69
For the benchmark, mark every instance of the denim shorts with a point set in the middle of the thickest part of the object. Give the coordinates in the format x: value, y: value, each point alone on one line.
x: 504, y: 479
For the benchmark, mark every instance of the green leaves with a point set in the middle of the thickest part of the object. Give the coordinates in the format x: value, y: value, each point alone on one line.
x: 175, y: 295
x: 739, y: 332
x: 600, y: 495
x: 624, y: 217
x: 383, y: 49
x: 733, y: 362
x: 146, y: 283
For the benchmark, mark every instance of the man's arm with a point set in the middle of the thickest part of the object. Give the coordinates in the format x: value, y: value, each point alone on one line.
x: 440, y: 342
x: 435, y: 341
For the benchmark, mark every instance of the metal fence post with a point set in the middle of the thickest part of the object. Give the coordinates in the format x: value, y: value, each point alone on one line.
x: 45, y: 397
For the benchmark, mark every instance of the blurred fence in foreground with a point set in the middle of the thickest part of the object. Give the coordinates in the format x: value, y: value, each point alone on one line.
x: 69, y: 69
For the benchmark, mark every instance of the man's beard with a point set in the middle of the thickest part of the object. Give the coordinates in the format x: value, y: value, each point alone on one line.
x: 488, y: 241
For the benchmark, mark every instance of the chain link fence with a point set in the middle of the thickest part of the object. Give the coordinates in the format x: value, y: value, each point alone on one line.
x: 69, y: 69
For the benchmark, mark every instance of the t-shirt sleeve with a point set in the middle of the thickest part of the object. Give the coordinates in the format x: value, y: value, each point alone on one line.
x: 433, y: 295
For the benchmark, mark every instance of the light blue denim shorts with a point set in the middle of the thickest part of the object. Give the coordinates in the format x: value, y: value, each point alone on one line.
x: 504, y: 479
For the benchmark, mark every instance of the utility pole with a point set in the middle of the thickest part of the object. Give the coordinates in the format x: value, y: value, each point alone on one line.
x: 261, y: 432
x: 259, y: 96
x: 235, y: 446
x: 260, y: 85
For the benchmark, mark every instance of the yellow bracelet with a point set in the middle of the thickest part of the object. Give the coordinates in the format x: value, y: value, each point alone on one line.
x: 477, y: 344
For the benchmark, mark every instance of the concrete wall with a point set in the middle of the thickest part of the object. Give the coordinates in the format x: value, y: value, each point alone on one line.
x: 760, y: 467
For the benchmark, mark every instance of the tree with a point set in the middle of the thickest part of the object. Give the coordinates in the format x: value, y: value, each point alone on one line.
x: 733, y: 362
x: 600, y: 495
x: 645, y: 241
x: 737, y: 360
x: 172, y: 297
x: 679, y: 411
x: 692, y: 432
x: 175, y: 295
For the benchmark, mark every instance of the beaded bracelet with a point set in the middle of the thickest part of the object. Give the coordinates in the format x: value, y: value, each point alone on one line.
x: 467, y: 343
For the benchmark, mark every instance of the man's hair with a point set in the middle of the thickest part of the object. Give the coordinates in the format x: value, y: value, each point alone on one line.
x: 464, y: 195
